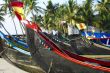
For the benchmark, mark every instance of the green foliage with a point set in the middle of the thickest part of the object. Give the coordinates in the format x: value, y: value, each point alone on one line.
x: 103, y: 7
x: 70, y: 12
x: 84, y: 13
x: 1, y: 15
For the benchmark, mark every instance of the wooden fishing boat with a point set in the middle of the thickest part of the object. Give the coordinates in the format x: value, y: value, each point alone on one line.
x: 99, y: 38
x: 54, y: 58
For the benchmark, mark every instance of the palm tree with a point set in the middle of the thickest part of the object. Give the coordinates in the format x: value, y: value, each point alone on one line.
x: 56, y: 13
x: 31, y: 7
x: 72, y: 9
x: 50, y: 15
x: 1, y: 15
x: 103, y: 8
x: 67, y: 12
x: 85, y: 13
x: 61, y: 16
x: 37, y: 19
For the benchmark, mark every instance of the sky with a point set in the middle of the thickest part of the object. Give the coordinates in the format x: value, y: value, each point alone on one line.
x: 8, y: 23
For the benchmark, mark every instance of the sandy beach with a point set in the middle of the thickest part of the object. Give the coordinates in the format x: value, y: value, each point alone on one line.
x: 6, y: 67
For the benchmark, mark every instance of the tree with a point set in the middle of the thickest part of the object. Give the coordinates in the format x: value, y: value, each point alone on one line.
x: 1, y: 15
x: 72, y: 9
x: 50, y: 15
x: 85, y: 13
x: 103, y: 8
x: 31, y: 7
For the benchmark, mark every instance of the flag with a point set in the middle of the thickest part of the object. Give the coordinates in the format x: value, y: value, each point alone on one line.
x: 19, y: 12
x: 18, y: 9
x: 81, y: 26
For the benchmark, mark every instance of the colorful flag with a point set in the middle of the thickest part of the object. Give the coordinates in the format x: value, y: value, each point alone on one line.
x: 19, y: 12
x: 18, y: 9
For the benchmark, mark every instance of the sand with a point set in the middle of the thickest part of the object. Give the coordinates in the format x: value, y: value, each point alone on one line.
x: 6, y: 67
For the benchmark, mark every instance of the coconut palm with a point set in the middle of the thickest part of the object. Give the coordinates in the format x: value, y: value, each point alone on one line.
x: 1, y: 15
x: 50, y: 15
x: 85, y: 13
x: 67, y: 13
x: 31, y: 6
x: 37, y: 19
x: 103, y: 8
x: 72, y: 9
x: 60, y: 18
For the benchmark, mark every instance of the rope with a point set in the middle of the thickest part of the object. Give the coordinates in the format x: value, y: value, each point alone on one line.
x: 13, y: 23
x: 51, y: 64
x: 22, y: 29
x: 15, y: 27
x: 5, y: 28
